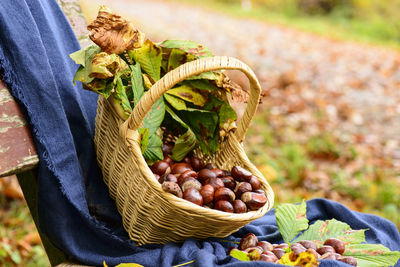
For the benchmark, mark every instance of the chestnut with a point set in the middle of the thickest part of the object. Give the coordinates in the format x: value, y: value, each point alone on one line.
x: 271, y: 254
x: 171, y: 178
x: 253, y: 253
x: 168, y: 160
x: 167, y: 148
x: 264, y: 244
x: 250, y: 249
x: 229, y: 182
x: 197, y: 163
x: 179, y: 168
x: 259, y: 191
x: 226, y: 173
x: 249, y: 240
x: 267, y: 258
x: 223, y: 205
x: 239, y: 206
x: 328, y: 256
x: 240, y: 174
x: 191, y: 183
x: 325, y: 249
x: 187, y: 174
x: 349, y: 260
x: 219, y: 173
x: 186, y: 160
x: 242, y: 188
x: 216, y: 183
x: 298, y: 248
x: 159, y: 167
x: 308, y: 244
x: 254, y: 201
x: 255, y: 183
x: 282, y: 246
x: 279, y: 252
x: 209, y: 205
x: 172, y: 188
x: 207, y: 192
x: 205, y: 175
x: 193, y: 195
x: 224, y: 193
x: 337, y: 244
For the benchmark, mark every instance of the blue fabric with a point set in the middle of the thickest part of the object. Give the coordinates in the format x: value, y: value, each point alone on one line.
x: 75, y: 211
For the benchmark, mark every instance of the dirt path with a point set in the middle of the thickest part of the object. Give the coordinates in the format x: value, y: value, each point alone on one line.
x: 356, y: 86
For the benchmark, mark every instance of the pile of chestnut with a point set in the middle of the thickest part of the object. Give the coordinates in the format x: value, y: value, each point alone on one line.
x: 332, y: 249
x: 235, y: 191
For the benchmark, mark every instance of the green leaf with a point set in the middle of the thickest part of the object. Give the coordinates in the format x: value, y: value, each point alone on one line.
x: 201, y: 84
x: 144, y: 138
x: 137, y: 82
x: 122, y: 98
x: 183, y: 145
x: 372, y: 255
x: 204, y: 125
x: 149, y: 57
x: 210, y: 75
x: 84, y: 58
x: 153, y: 152
x: 291, y: 220
x: 188, y: 94
x: 190, y: 47
x: 176, y: 58
x: 322, y: 230
x: 100, y: 86
x: 225, y: 112
x: 240, y: 255
x: 177, y: 103
x: 153, y: 119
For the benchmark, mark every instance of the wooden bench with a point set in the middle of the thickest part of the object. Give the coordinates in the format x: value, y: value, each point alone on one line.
x: 18, y: 154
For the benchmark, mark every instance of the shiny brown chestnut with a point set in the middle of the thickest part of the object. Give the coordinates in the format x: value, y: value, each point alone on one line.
x: 168, y: 160
x: 239, y: 206
x: 158, y: 178
x: 219, y: 173
x: 205, y: 175
x: 209, y: 166
x: 308, y: 244
x: 328, y: 256
x: 282, y: 246
x: 264, y: 244
x: 186, y: 174
x: 224, y: 193
x: 255, y: 183
x: 298, y: 248
x: 191, y: 183
x: 229, y: 182
x: 197, y: 163
x: 216, y: 183
x: 159, y: 167
x: 250, y: 249
x: 279, y: 252
x: 171, y: 178
x: 249, y: 240
x: 242, y: 188
x: 207, y: 193
x: 193, y: 195
x: 267, y: 258
x: 223, y: 205
x: 270, y: 253
x: 172, y: 188
x: 325, y: 249
x: 179, y: 168
x: 254, y: 201
x: 240, y: 174
x: 186, y: 160
x: 315, y: 253
x: 337, y: 244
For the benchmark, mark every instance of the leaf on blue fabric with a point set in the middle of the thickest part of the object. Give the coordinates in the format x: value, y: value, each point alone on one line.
x: 372, y: 255
x: 240, y: 255
x: 291, y: 220
x: 322, y: 230
x: 149, y: 57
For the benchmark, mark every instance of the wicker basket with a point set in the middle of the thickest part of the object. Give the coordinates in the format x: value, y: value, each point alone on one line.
x: 149, y: 214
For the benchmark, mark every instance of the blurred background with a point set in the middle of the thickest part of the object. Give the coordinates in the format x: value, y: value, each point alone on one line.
x: 329, y: 122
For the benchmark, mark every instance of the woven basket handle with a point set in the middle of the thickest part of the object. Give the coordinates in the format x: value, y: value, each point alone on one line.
x: 196, y: 67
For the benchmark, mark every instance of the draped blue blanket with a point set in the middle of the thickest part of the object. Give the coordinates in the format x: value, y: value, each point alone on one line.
x: 75, y: 211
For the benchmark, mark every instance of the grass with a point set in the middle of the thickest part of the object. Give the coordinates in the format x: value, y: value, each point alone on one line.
x: 374, y: 30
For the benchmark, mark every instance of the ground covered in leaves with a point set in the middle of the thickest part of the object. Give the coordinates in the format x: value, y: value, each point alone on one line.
x: 327, y: 127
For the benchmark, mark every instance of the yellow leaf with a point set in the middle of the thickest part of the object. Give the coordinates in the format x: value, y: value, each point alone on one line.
x: 305, y: 259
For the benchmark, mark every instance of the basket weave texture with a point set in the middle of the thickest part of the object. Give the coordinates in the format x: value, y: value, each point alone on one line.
x: 149, y: 214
